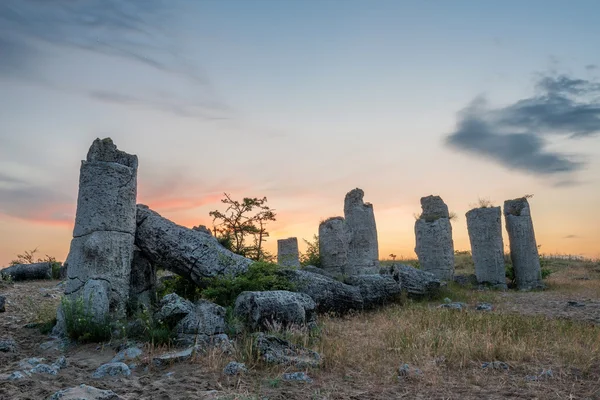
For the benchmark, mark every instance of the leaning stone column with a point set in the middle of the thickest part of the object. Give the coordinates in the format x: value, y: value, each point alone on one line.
x: 333, y: 245
x: 523, y: 247
x: 485, y: 234
x: 287, y: 252
x: 363, y: 248
x: 433, y: 234
x: 103, y: 238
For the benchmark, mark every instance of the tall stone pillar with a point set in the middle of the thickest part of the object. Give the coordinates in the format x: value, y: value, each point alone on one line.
x: 287, y: 252
x: 485, y: 234
x: 333, y: 245
x: 101, y: 251
x: 433, y: 236
x: 523, y: 247
x: 363, y: 248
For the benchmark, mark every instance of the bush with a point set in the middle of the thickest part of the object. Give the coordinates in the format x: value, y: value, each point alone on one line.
x: 180, y: 286
x: 312, y: 256
x: 81, y: 324
x: 260, y: 276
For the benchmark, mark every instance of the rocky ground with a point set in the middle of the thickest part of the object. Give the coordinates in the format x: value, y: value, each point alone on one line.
x: 573, y: 294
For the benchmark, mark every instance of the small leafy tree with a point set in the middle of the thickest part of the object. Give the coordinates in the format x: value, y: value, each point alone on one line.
x: 242, y: 221
x: 312, y: 256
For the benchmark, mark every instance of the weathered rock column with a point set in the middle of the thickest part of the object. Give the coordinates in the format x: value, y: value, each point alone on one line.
x: 523, y: 247
x: 363, y: 248
x: 433, y: 234
x: 333, y: 245
x: 287, y: 252
x: 485, y: 234
x: 103, y: 238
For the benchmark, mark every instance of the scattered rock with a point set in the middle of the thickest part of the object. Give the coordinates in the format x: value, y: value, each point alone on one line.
x: 261, y: 310
x: 8, y: 345
x: 174, y: 357
x: 545, y: 374
x: 44, y: 369
x: 84, y: 392
x: 573, y: 303
x: 484, y: 307
x: 113, y: 369
x: 494, y: 365
x: 129, y: 354
x: 297, y: 376
x: 235, y: 368
x: 405, y: 370
x: 61, y: 363
x: 279, y: 351
x: 16, y: 376
x: 454, y: 306
x: 30, y: 362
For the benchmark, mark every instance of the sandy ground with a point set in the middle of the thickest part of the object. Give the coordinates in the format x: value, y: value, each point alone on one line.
x: 196, y: 380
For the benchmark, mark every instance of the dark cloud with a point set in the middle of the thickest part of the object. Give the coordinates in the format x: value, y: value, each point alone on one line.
x: 571, y: 237
x: 591, y: 67
x: 513, y: 136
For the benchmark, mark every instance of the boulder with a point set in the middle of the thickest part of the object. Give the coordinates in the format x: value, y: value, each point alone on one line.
x: 113, y: 369
x: 27, y: 272
x: 328, y: 294
x: 235, y: 368
x: 261, y: 310
x: 376, y: 290
x: 320, y: 271
x: 416, y: 283
x: 186, y: 252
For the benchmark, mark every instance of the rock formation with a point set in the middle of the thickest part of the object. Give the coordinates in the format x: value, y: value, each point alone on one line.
x: 485, y: 234
x: 190, y: 253
x: 24, y: 272
x: 376, y: 290
x: 142, y: 283
x: 523, y: 247
x: 363, y: 249
x: 416, y: 283
x: 333, y: 245
x: 287, y: 252
x: 434, y: 244
x: 260, y: 310
x: 101, y: 251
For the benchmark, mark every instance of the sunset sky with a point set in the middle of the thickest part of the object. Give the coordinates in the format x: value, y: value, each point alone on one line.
x: 301, y: 101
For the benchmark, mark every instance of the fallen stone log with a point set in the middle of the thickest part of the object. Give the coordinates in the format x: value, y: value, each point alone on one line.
x: 329, y: 295
x: 376, y: 290
x: 417, y: 284
x: 27, y: 272
x: 187, y: 252
x: 261, y: 310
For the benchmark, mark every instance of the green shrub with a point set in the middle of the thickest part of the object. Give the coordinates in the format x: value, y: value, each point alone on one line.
x: 148, y: 329
x: 81, y: 324
x: 182, y: 287
x: 312, y: 256
x: 260, y: 276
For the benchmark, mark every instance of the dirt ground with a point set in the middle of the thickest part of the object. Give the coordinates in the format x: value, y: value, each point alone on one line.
x: 202, y: 379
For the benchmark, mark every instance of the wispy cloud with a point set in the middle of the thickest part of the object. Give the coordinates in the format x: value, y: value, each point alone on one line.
x: 131, y: 30
x: 514, y: 135
x: 571, y: 237
x: 21, y: 200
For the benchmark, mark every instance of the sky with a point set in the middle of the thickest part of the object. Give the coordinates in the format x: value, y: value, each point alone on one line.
x: 301, y: 102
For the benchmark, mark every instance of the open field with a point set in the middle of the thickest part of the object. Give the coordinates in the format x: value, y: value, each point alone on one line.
x: 531, y: 332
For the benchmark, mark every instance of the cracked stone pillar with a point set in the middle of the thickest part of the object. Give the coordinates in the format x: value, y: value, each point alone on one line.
x: 363, y: 248
x: 101, y: 251
x: 485, y: 234
x: 333, y: 245
x: 433, y: 234
x: 523, y: 247
x: 287, y: 252
x: 142, y: 283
